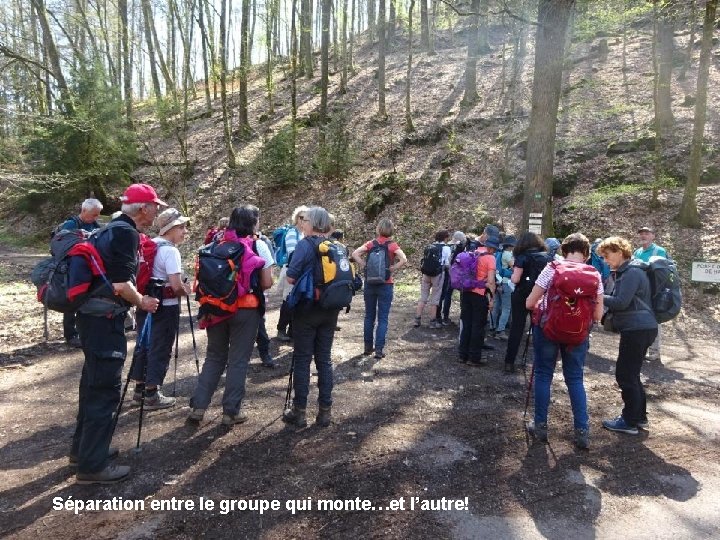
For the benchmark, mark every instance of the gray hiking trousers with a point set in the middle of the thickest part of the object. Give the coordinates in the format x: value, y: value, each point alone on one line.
x: 230, y: 345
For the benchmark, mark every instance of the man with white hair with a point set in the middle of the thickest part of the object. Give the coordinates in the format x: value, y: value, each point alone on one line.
x: 101, y: 324
x: 86, y: 220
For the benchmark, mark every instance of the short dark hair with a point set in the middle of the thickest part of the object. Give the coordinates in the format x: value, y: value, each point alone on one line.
x: 575, y: 243
x: 244, y: 219
x: 527, y: 241
x: 442, y: 236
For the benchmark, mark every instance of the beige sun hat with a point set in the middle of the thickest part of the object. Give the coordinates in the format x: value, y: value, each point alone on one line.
x: 168, y: 219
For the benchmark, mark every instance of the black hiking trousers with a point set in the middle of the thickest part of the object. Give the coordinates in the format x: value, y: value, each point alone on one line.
x: 518, y: 315
x: 105, y: 347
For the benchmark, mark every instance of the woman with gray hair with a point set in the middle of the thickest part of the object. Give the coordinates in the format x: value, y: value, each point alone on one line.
x: 313, y: 326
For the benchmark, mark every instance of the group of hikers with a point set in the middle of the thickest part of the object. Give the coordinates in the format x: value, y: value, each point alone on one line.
x: 565, y: 286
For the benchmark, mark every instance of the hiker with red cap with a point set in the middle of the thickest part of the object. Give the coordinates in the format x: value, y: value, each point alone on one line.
x: 100, y: 322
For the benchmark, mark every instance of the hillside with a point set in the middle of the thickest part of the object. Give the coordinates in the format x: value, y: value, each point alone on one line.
x: 464, y: 166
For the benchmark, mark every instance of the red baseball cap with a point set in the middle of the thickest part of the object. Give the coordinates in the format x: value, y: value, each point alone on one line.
x: 141, y: 193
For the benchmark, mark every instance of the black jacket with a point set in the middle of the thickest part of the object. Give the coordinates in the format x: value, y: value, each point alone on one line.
x: 629, y: 300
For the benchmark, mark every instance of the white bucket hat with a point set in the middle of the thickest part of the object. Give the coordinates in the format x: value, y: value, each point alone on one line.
x: 168, y: 219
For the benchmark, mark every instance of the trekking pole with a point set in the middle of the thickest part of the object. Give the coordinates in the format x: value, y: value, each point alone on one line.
x: 527, y: 344
x: 144, y: 341
x: 177, y: 342
x: 288, y: 395
x: 192, y: 331
x: 527, y: 393
x: 127, y: 381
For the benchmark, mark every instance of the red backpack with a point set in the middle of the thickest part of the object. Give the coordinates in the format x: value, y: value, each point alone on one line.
x: 147, y: 250
x: 570, y: 302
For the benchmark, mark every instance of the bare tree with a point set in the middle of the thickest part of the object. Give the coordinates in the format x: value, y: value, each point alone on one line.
x: 127, y: 71
x: 382, y: 112
x: 324, y: 61
x: 471, y: 95
x: 409, y: 127
x: 688, y: 209
x: 227, y: 131
x: 306, y: 60
x: 553, y: 18
x: 243, y: 121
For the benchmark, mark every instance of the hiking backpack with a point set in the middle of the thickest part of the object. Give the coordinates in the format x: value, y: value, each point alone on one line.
x: 225, y: 272
x: 377, y: 268
x: 665, y: 290
x: 569, y: 303
x: 278, y: 241
x: 59, y: 227
x: 535, y: 262
x: 463, y: 272
x: 598, y: 262
x: 65, y: 281
x: 335, y: 289
x: 431, y: 263
x: 147, y: 251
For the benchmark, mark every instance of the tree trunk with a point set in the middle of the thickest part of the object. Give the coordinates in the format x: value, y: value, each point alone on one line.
x: 293, y: 68
x: 371, y: 20
x: 689, y: 216
x: 227, y: 131
x: 270, y: 15
x: 147, y: 24
x: 483, y: 46
x: 409, y: 127
x: 471, y: 94
x: 343, y: 50
x: 351, y: 54
x: 54, y: 57
x: 664, y: 116
x: 243, y: 122
x: 424, y: 26
x: 252, y: 28
x: 324, y: 61
x: 127, y: 71
x: 205, y: 60
x: 335, y: 38
x: 691, y: 42
x: 382, y: 112
x: 150, y: 23
x: 392, y: 21
x: 553, y: 17
x: 306, y: 59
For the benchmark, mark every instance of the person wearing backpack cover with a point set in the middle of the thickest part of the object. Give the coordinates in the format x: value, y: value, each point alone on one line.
x: 150, y: 364
x: 628, y: 300
x: 383, y: 258
x: 313, y: 325
x: 435, y: 262
x: 648, y: 248
x: 282, y: 257
x: 86, y: 220
x: 567, y: 335
x: 530, y: 260
x: 232, y: 329
x: 100, y: 321
x: 475, y: 303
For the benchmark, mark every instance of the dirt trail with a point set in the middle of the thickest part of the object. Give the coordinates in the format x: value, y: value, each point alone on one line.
x: 422, y: 425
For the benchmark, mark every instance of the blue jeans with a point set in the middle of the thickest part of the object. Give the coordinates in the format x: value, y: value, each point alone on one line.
x: 313, y: 334
x: 501, y: 308
x: 378, y: 299
x: 573, y: 360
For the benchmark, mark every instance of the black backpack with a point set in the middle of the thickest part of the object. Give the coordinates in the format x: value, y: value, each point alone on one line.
x: 59, y: 227
x: 664, y: 287
x: 535, y: 262
x: 431, y: 264
x: 377, y: 269
x: 336, y: 286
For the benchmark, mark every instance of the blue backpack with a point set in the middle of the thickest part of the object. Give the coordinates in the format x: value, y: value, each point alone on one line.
x: 598, y: 262
x: 278, y: 241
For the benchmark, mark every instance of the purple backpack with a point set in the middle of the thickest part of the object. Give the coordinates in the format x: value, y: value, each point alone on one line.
x: 463, y: 271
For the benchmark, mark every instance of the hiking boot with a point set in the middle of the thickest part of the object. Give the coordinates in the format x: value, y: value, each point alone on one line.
x: 196, y: 415
x: 644, y: 425
x: 652, y: 357
x: 582, y: 438
x: 487, y: 347
x: 379, y: 354
x: 74, y: 342
x: 435, y: 324
x: 369, y: 349
x: 446, y: 322
x: 620, y: 425
x: 230, y: 419
x: 282, y: 335
x: 509, y: 368
x: 112, y: 454
x: 157, y: 400
x: 324, y: 416
x: 268, y: 362
x: 109, y: 475
x: 477, y: 362
x: 417, y: 322
x: 502, y: 336
x: 538, y: 431
x: 295, y: 416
